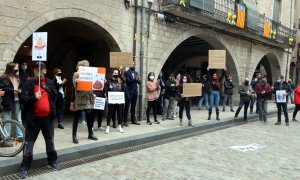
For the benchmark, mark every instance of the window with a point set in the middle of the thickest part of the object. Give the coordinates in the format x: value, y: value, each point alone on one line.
x: 277, y: 10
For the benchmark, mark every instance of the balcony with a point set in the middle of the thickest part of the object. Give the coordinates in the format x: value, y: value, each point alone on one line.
x: 215, y: 15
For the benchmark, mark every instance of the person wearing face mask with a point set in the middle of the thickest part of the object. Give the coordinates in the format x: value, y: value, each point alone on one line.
x: 10, y: 83
x: 152, y: 94
x: 132, y: 79
x: 24, y: 73
x: 39, y: 95
x: 245, y: 91
x: 169, y: 98
x: 205, y: 93
x: 60, y: 84
x: 114, y: 84
x: 281, y: 85
x: 263, y: 91
x: 214, y: 96
x: 184, y: 102
x: 228, y: 92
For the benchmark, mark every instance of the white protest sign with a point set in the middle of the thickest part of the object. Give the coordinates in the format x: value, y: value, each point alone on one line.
x: 116, y: 97
x: 250, y: 147
x: 280, y: 97
x: 99, y: 103
x: 39, y: 46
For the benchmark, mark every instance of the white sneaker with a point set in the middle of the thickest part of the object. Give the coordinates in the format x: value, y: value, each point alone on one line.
x: 120, y: 129
x: 101, y: 128
x: 107, y: 130
x: 83, y: 122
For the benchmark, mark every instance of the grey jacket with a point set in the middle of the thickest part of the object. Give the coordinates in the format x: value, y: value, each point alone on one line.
x: 243, y: 90
x: 83, y: 99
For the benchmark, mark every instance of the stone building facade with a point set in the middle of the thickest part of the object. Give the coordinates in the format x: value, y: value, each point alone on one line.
x: 91, y: 29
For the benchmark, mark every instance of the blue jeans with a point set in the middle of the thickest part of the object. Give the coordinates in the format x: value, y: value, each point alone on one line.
x: 13, y: 115
x: 205, y: 96
x: 214, y: 99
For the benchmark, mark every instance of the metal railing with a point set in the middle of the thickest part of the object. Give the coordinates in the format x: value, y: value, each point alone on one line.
x: 218, y: 10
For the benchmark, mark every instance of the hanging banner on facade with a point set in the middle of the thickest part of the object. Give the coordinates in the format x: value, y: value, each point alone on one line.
x: 120, y: 59
x: 241, y: 16
x: 217, y: 59
x: 267, y: 27
x: 280, y: 97
x: 99, y: 103
x: 39, y: 46
x: 116, y: 97
x: 192, y: 89
x: 91, y: 78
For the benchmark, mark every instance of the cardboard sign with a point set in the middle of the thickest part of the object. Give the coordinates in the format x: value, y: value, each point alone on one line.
x: 217, y: 59
x: 99, y: 103
x: 280, y: 97
x: 118, y: 59
x: 192, y: 89
x: 116, y: 97
x: 39, y: 46
x: 91, y: 78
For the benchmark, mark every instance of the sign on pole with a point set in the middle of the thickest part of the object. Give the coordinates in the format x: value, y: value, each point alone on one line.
x: 118, y: 59
x: 217, y: 59
x: 91, y: 78
x: 39, y: 46
x: 116, y: 97
x: 192, y: 89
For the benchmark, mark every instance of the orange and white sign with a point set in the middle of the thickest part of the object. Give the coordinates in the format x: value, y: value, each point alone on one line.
x: 91, y: 78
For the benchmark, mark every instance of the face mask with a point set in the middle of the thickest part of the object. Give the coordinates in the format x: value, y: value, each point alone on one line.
x: 151, y: 77
x: 214, y: 78
x: 246, y: 82
x: 115, y: 76
x: 184, y: 80
x: 132, y: 69
x: 58, y: 74
x: 264, y: 81
x: 278, y: 81
x: 15, y: 71
x: 24, y: 67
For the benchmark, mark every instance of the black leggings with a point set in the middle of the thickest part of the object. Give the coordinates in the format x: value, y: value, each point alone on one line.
x: 90, y: 121
x: 112, y: 110
x: 151, y: 104
x: 297, y: 108
x: 99, y: 113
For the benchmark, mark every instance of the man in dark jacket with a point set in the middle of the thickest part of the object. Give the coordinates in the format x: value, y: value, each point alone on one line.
x: 169, y: 98
x: 132, y: 79
x: 245, y: 91
x: 228, y: 92
x: 39, y: 103
x: 281, y: 89
x: 263, y: 91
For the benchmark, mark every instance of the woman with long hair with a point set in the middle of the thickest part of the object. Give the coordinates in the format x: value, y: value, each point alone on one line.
x: 152, y: 94
x: 10, y: 83
x: 184, y: 102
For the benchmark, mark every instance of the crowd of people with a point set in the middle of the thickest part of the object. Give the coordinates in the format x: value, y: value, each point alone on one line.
x: 38, y: 100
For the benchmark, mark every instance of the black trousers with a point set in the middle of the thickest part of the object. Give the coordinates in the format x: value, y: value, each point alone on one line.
x: 282, y: 106
x: 99, y: 113
x: 44, y: 124
x: 112, y: 110
x: 152, y: 105
x: 246, y: 105
x: 297, y: 108
x: 90, y: 121
x: 130, y: 100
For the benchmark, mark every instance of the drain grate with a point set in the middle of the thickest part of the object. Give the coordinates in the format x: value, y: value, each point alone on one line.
x: 97, y: 157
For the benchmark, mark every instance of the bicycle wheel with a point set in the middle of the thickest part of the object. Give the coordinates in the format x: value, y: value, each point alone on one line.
x: 11, y: 137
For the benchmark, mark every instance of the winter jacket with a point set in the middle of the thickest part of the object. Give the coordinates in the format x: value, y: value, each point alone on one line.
x: 244, y: 90
x: 181, y: 101
x: 282, y: 86
x: 8, y: 100
x: 260, y: 87
x: 297, y: 96
x: 228, y: 87
x: 170, y: 89
x: 152, y: 90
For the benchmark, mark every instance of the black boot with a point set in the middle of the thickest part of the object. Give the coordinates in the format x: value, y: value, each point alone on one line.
x: 217, y: 112
x: 209, y: 114
x: 75, y: 140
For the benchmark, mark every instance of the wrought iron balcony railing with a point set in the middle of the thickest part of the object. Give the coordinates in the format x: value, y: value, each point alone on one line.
x: 254, y: 22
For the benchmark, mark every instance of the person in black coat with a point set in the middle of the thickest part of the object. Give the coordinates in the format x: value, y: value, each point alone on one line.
x: 39, y: 103
x: 228, y: 92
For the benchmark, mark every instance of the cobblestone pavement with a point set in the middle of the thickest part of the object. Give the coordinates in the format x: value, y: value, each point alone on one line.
x: 207, y: 156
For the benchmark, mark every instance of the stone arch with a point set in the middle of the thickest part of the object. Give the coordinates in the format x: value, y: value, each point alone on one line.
x: 111, y: 35
x: 271, y: 63
x: 210, y: 39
